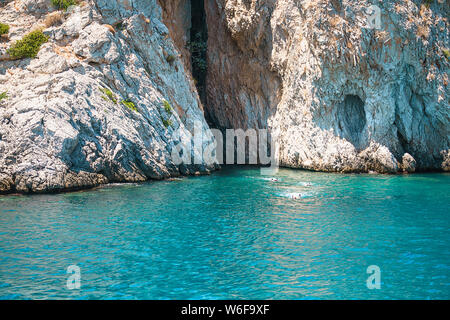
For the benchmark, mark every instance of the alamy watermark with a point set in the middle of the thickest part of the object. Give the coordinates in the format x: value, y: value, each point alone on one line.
x: 374, y: 280
x: 231, y: 146
x: 74, y: 280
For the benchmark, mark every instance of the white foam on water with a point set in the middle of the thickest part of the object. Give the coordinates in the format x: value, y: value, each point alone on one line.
x: 306, y: 184
x: 297, y: 195
x: 271, y: 179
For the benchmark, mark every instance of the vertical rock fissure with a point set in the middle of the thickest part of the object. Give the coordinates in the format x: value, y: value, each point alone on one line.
x: 198, y: 46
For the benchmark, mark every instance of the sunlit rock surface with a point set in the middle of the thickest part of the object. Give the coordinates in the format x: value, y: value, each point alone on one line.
x: 59, y: 131
x: 341, y: 94
x: 337, y: 93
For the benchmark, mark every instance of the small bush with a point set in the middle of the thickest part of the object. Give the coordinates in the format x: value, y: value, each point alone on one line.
x: 198, y: 47
x: 167, y: 107
x: 109, y: 95
x: 167, y: 123
x: 29, y: 46
x: 130, y: 105
x: 446, y: 53
x: 4, y: 29
x: 3, y: 95
x: 64, y: 4
x: 170, y: 58
x: 120, y: 26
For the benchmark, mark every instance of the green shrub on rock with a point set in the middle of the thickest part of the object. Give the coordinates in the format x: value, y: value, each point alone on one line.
x: 166, y: 122
x: 4, y: 29
x: 109, y: 95
x: 446, y: 53
x: 130, y: 105
x: 167, y: 107
x: 64, y: 4
x: 3, y: 95
x: 29, y: 46
x: 170, y: 58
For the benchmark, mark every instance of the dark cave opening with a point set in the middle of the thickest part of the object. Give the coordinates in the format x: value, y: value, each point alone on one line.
x: 352, y: 120
x: 198, y: 46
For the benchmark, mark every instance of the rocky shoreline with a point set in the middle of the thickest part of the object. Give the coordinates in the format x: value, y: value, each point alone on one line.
x: 111, y: 92
x: 100, y: 103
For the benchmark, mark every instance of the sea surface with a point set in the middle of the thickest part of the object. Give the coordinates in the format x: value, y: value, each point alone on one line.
x: 235, y: 234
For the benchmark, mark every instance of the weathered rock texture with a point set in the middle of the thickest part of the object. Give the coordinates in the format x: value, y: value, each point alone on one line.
x: 340, y: 95
x: 177, y: 17
x: 59, y: 131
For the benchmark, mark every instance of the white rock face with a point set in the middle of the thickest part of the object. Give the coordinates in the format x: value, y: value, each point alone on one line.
x: 343, y: 93
x: 59, y: 131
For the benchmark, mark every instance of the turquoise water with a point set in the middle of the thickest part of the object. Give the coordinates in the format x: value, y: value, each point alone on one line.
x: 232, y: 235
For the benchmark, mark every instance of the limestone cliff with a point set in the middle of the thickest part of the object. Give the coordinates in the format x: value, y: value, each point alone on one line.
x: 90, y: 108
x: 341, y: 94
x: 101, y: 100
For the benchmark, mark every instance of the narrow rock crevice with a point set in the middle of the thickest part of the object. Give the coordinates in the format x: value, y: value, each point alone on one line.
x: 186, y: 21
x: 198, y: 46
